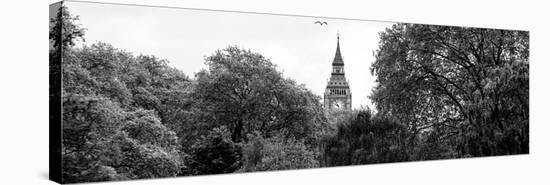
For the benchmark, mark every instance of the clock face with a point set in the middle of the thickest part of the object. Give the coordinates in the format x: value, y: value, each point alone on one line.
x: 338, y: 104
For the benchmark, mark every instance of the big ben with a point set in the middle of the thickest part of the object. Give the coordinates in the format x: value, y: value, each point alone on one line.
x: 337, y: 94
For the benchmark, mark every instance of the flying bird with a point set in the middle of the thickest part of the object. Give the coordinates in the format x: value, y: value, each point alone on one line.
x: 321, y: 23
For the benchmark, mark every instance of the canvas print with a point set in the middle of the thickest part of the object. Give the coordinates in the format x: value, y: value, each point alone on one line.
x: 139, y: 92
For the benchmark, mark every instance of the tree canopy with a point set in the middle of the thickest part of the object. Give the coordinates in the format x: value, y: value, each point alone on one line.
x: 245, y: 92
x: 466, y: 87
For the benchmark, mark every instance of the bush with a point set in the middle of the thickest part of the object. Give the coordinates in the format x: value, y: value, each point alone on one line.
x: 104, y: 142
x: 214, y: 154
x: 364, y: 139
x: 277, y: 153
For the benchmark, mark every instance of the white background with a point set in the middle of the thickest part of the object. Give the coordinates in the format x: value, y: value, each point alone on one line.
x: 24, y: 92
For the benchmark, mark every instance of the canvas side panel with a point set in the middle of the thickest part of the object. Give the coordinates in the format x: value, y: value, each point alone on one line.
x: 55, y: 133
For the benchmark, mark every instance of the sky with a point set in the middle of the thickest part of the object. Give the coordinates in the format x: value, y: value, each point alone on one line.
x: 301, y: 49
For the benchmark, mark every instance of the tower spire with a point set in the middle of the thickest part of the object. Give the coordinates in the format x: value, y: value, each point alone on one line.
x: 338, y: 56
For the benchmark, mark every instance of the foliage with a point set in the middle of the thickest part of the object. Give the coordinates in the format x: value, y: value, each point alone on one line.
x: 103, y: 142
x: 364, y: 139
x: 143, y: 119
x: 277, y: 153
x: 243, y: 91
x: 64, y: 29
x: 111, y: 105
x: 216, y: 153
x: 465, y: 87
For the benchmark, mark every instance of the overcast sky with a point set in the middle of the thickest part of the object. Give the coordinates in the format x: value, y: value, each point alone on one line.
x: 301, y: 49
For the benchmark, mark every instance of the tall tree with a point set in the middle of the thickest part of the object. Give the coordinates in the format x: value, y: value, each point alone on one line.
x: 467, y: 87
x: 244, y: 91
x: 111, y: 124
x: 64, y: 29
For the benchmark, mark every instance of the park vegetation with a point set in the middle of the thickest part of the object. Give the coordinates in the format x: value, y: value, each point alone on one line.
x: 442, y: 92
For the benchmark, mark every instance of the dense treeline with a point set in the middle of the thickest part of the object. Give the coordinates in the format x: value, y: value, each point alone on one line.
x: 129, y: 117
x: 442, y: 93
x: 461, y: 91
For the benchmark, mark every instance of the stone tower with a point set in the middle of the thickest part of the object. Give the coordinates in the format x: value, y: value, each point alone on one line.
x: 337, y: 94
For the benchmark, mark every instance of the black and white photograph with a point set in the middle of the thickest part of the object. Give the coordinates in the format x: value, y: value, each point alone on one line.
x: 152, y: 92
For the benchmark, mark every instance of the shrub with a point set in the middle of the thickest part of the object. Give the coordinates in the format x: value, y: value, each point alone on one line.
x: 277, y: 153
x: 214, y: 154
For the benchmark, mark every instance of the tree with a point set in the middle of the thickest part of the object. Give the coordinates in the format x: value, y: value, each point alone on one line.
x: 113, y: 106
x: 277, y: 153
x: 97, y: 69
x: 60, y: 25
x: 64, y: 30
x: 365, y: 139
x: 216, y: 153
x: 149, y: 148
x: 103, y: 142
x: 243, y: 91
x: 467, y: 88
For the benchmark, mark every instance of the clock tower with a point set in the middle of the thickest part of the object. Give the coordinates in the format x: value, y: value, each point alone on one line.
x: 337, y: 94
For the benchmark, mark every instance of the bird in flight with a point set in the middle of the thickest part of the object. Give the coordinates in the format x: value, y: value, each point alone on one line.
x: 321, y: 23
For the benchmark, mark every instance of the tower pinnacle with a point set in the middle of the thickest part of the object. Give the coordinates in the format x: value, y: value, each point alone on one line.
x: 338, y: 56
